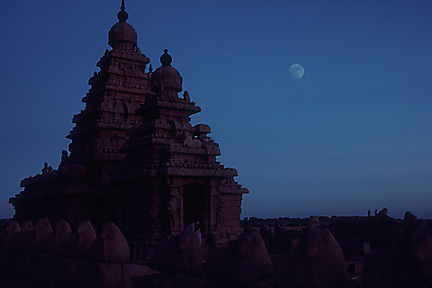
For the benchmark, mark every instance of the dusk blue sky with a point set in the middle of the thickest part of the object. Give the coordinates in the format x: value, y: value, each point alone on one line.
x: 354, y: 134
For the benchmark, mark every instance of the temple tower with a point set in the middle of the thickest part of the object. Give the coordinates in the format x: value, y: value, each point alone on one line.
x: 134, y: 158
x: 116, y: 92
x: 73, y: 191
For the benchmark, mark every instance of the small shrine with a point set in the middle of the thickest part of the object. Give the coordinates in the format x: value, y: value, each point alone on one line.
x: 134, y: 158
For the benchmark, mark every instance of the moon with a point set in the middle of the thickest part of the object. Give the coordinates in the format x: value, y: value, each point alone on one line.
x: 296, y: 71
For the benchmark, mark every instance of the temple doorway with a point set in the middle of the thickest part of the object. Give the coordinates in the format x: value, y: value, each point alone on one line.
x: 194, y: 204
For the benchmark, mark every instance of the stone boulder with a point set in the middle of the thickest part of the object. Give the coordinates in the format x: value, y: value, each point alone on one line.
x: 12, y: 229
x: 62, y: 233
x: 411, y: 221
x: 243, y: 261
x: 111, y: 245
x: 45, y: 236
x: 317, y: 263
x: 180, y: 254
x: 115, y: 246
x: 80, y: 241
x: 408, y: 263
x: 25, y: 239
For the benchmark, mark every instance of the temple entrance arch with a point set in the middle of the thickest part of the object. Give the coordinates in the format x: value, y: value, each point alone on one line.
x: 194, y: 204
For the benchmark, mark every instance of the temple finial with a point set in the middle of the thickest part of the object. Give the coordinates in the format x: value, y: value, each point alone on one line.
x: 122, y: 15
x: 166, y: 59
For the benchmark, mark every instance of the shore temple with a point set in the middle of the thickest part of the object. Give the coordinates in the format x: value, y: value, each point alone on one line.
x: 134, y: 157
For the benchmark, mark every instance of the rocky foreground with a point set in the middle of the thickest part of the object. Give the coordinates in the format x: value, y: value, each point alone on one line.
x: 374, y: 251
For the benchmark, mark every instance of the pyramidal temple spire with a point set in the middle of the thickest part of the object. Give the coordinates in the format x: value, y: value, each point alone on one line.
x: 122, y: 15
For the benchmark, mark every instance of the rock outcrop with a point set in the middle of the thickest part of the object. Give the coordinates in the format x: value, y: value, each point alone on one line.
x: 179, y: 254
x: 318, y: 263
x: 243, y: 261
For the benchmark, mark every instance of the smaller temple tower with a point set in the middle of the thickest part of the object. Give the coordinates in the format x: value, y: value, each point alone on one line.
x: 170, y: 176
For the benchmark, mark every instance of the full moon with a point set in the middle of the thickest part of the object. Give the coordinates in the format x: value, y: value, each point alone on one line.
x: 296, y: 71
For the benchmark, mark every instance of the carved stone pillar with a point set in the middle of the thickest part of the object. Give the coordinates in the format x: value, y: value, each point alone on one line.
x: 174, y: 206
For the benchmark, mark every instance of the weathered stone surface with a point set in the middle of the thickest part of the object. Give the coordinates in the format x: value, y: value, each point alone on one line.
x: 355, y: 247
x: 165, y: 281
x: 115, y: 246
x: 80, y: 273
x: 86, y: 273
x: 408, y: 263
x: 242, y: 261
x: 43, y: 268
x: 119, y: 275
x: 24, y: 240
x: 79, y: 242
x: 111, y: 246
x: 62, y: 233
x: 12, y: 229
x: 7, y: 260
x: 180, y: 254
x: 319, y: 262
x: 45, y: 236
